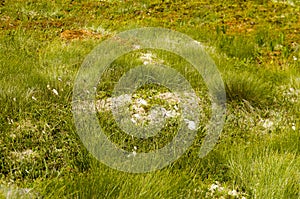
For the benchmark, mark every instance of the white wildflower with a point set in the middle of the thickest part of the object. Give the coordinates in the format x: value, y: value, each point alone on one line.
x: 133, y: 120
x: 134, y: 153
x: 142, y: 101
x: 278, y: 47
x: 137, y: 116
x: 171, y: 113
x: 138, y: 109
x: 147, y: 58
x: 32, y: 97
x: 25, y: 154
x: 191, y: 124
x: 176, y: 108
x: 233, y: 193
x: 55, y: 91
x: 216, y: 186
x: 295, y: 58
x: 170, y: 97
x: 268, y: 123
x: 136, y: 47
x: 197, y: 42
x: 294, y: 126
x: 213, y: 187
x: 10, y: 121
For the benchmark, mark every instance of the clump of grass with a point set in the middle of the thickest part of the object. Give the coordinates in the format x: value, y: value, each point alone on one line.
x: 266, y: 173
x: 247, y: 87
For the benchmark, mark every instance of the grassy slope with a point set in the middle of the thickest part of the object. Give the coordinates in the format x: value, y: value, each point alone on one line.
x: 255, y: 44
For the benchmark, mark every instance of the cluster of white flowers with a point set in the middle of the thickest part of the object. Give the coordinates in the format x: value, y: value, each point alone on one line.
x: 142, y: 112
x: 191, y: 124
x: 295, y: 58
x: 216, y: 189
x: 149, y: 58
x: 139, y: 106
x: 267, y: 123
x: 294, y: 126
x: 53, y: 90
x: 170, y: 97
x: 155, y: 115
x: 133, y: 152
x: 289, y: 2
x: 24, y: 155
x: 104, y: 104
x: 292, y: 94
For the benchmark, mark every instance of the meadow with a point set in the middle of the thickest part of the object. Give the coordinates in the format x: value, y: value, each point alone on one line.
x: 256, y: 46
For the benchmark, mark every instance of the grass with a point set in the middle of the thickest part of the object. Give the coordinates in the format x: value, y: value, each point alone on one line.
x: 270, y: 172
x: 255, y: 45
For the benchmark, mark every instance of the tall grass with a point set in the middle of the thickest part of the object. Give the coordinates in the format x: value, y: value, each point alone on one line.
x: 270, y: 171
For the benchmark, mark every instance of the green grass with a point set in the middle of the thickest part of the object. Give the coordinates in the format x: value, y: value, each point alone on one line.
x: 269, y: 172
x: 255, y: 45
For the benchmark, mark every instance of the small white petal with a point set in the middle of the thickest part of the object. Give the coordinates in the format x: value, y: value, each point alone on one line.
x: 233, y: 193
x: 133, y: 120
x: 213, y: 187
x: 170, y: 113
x: 55, y: 91
x: 143, y: 102
x: 137, y: 116
x: 267, y: 124
x: 176, y: 108
x: 191, y: 124
x: 136, y: 47
x: 197, y: 42
x: 147, y: 56
x: 32, y: 97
